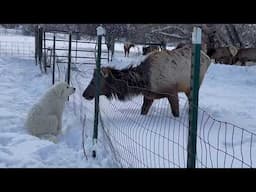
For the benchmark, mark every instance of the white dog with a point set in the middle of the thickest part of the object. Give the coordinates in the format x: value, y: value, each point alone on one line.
x: 44, y: 119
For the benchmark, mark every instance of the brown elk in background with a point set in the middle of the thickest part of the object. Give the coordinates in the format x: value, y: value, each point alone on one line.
x: 244, y: 55
x: 224, y: 55
x: 148, y: 49
x: 127, y: 47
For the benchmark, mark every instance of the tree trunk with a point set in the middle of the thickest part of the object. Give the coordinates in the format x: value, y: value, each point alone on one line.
x: 233, y: 35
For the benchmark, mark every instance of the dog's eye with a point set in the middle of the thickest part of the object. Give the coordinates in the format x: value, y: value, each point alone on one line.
x: 67, y: 87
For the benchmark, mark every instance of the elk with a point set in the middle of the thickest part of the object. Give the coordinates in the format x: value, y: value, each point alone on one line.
x: 245, y: 54
x: 161, y: 75
x: 148, y: 49
x: 127, y: 47
x: 223, y: 55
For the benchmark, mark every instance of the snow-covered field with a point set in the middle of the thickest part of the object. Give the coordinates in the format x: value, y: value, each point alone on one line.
x: 155, y: 140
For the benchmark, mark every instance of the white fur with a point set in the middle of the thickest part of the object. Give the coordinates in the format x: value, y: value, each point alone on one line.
x: 44, y: 119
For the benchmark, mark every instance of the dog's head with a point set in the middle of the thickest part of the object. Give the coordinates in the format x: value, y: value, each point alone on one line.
x: 63, y: 89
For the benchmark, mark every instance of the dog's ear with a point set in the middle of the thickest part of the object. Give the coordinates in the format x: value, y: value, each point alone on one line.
x: 59, y: 90
x: 62, y: 91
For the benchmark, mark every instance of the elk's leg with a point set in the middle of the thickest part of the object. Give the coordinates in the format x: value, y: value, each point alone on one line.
x: 230, y: 61
x: 187, y: 93
x: 174, y: 103
x: 108, y: 54
x: 147, y: 103
x: 242, y: 62
x: 112, y: 53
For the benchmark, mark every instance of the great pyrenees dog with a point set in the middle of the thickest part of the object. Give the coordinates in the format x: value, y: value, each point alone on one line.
x: 44, y: 119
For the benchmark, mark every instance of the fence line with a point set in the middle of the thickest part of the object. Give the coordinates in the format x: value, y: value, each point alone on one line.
x: 159, y: 140
x: 18, y: 49
x: 214, y: 148
x: 10, y: 32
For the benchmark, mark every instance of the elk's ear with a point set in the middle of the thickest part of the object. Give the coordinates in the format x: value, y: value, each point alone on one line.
x: 233, y: 50
x: 105, y: 72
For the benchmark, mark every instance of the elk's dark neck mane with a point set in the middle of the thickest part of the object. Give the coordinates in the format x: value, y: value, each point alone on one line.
x: 134, y: 76
x: 128, y: 82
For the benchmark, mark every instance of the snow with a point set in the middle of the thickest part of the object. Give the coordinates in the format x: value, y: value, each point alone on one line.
x: 22, y: 85
x: 227, y: 94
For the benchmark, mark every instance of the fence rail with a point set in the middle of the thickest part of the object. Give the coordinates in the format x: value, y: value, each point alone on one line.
x: 80, y: 51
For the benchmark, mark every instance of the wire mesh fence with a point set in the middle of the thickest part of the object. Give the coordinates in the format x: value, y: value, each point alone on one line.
x: 10, y: 32
x: 21, y: 49
x: 158, y: 139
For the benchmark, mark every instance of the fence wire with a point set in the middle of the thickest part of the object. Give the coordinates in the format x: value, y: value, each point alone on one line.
x: 21, y: 49
x: 158, y: 139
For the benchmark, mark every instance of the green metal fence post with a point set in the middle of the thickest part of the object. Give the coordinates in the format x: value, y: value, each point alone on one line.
x: 100, y: 33
x: 53, y: 62
x: 193, y: 98
x: 40, y: 46
x: 44, y: 53
x: 69, y: 57
x: 68, y: 73
x: 76, y: 51
x: 36, y: 43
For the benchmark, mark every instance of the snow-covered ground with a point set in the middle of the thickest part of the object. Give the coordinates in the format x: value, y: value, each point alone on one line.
x: 22, y: 84
x: 155, y: 140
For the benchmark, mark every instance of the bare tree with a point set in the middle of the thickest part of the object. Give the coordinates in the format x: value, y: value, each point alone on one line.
x: 214, y: 35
